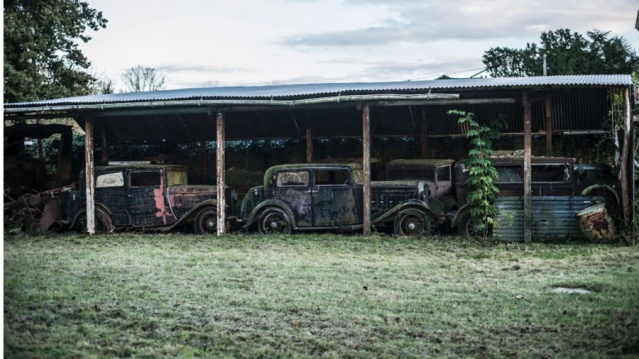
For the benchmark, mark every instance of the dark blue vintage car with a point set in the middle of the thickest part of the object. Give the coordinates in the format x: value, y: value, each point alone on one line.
x: 147, y: 196
x: 298, y: 197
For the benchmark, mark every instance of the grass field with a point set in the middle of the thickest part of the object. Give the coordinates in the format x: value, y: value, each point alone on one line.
x: 178, y: 295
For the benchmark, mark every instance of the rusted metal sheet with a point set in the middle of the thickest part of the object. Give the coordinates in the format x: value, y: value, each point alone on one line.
x: 553, y: 217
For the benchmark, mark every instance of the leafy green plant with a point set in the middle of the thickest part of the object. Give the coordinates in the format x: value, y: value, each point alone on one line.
x: 482, y: 173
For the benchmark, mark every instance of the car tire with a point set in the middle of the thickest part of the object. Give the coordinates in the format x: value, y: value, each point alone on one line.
x: 206, y: 221
x: 412, y: 223
x: 274, y: 221
x: 103, y: 222
x: 467, y: 227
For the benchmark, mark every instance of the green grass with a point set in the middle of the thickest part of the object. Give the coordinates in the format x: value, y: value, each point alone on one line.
x: 178, y: 295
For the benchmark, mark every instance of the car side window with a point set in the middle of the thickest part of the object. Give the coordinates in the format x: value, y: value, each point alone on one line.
x: 145, y: 179
x: 292, y: 179
x: 443, y: 173
x: 332, y: 177
x: 114, y: 179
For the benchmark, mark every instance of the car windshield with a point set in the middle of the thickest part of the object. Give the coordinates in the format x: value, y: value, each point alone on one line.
x: 175, y: 178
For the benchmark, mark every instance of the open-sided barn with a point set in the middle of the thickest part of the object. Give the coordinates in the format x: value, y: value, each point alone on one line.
x: 535, y: 106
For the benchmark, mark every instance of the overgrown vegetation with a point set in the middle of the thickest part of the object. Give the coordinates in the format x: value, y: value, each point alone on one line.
x: 481, y: 172
x: 136, y: 295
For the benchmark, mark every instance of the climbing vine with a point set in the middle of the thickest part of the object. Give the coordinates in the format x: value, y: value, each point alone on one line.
x: 482, y: 173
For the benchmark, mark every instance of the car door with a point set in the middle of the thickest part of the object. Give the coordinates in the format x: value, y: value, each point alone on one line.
x: 145, y: 196
x: 332, y: 198
x: 293, y: 187
x: 443, y: 181
x: 111, y: 192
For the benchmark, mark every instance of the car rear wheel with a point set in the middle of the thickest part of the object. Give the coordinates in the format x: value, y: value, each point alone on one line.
x: 206, y: 221
x: 274, y: 220
x: 103, y: 222
x: 468, y: 228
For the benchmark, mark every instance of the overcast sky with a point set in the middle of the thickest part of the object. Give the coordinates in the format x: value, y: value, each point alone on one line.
x: 201, y: 43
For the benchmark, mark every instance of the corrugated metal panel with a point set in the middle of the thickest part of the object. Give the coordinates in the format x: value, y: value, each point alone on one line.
x: 574, y: 109
x: 554, y: 217
x: 322, y: 89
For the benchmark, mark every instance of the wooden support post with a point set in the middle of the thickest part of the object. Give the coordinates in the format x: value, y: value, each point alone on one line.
x: 527, y: 168
x: 366, y: 161
x: 65, y: 158
x: 89, y: 174
x: 221, y: 178
x: 105, y: 146
x: 309, y: 145
x: 424, y: 134
x: 548, y: 103
x: 626, y: 167
x: 204, y: 160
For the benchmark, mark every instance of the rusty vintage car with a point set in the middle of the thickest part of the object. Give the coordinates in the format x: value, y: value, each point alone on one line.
x: 299, y: 197
x: 146, y: 196
x: 552, y: 178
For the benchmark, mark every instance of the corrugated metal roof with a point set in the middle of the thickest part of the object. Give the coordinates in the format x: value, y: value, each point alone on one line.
x: 325, y: 89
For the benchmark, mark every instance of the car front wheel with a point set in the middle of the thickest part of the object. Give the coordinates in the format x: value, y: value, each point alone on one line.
x: 412, y: 223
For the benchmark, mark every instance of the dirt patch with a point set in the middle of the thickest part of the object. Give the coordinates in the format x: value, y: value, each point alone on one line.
x: 570, y: 290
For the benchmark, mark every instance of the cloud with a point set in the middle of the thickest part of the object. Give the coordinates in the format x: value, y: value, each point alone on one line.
x: 467, y: 20
x: 176, y: 68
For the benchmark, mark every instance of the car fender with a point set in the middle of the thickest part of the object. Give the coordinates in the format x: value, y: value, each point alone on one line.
x: 604, y: 187
x: 411, y: 203
x: 460, y: 214
x: 192, y: 213
x: 98, y: 207
x: 270, y: 203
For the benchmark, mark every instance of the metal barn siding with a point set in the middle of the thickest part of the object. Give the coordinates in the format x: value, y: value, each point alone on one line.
x: 554, y: 217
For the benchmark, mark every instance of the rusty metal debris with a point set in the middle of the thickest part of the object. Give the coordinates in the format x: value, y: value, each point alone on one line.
x: 36, y: 213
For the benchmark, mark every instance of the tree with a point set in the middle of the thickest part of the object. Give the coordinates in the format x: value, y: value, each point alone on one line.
x: 140, y: 78
x: 102, y: 86
x: 566, y: 54
x: 41, y: 55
